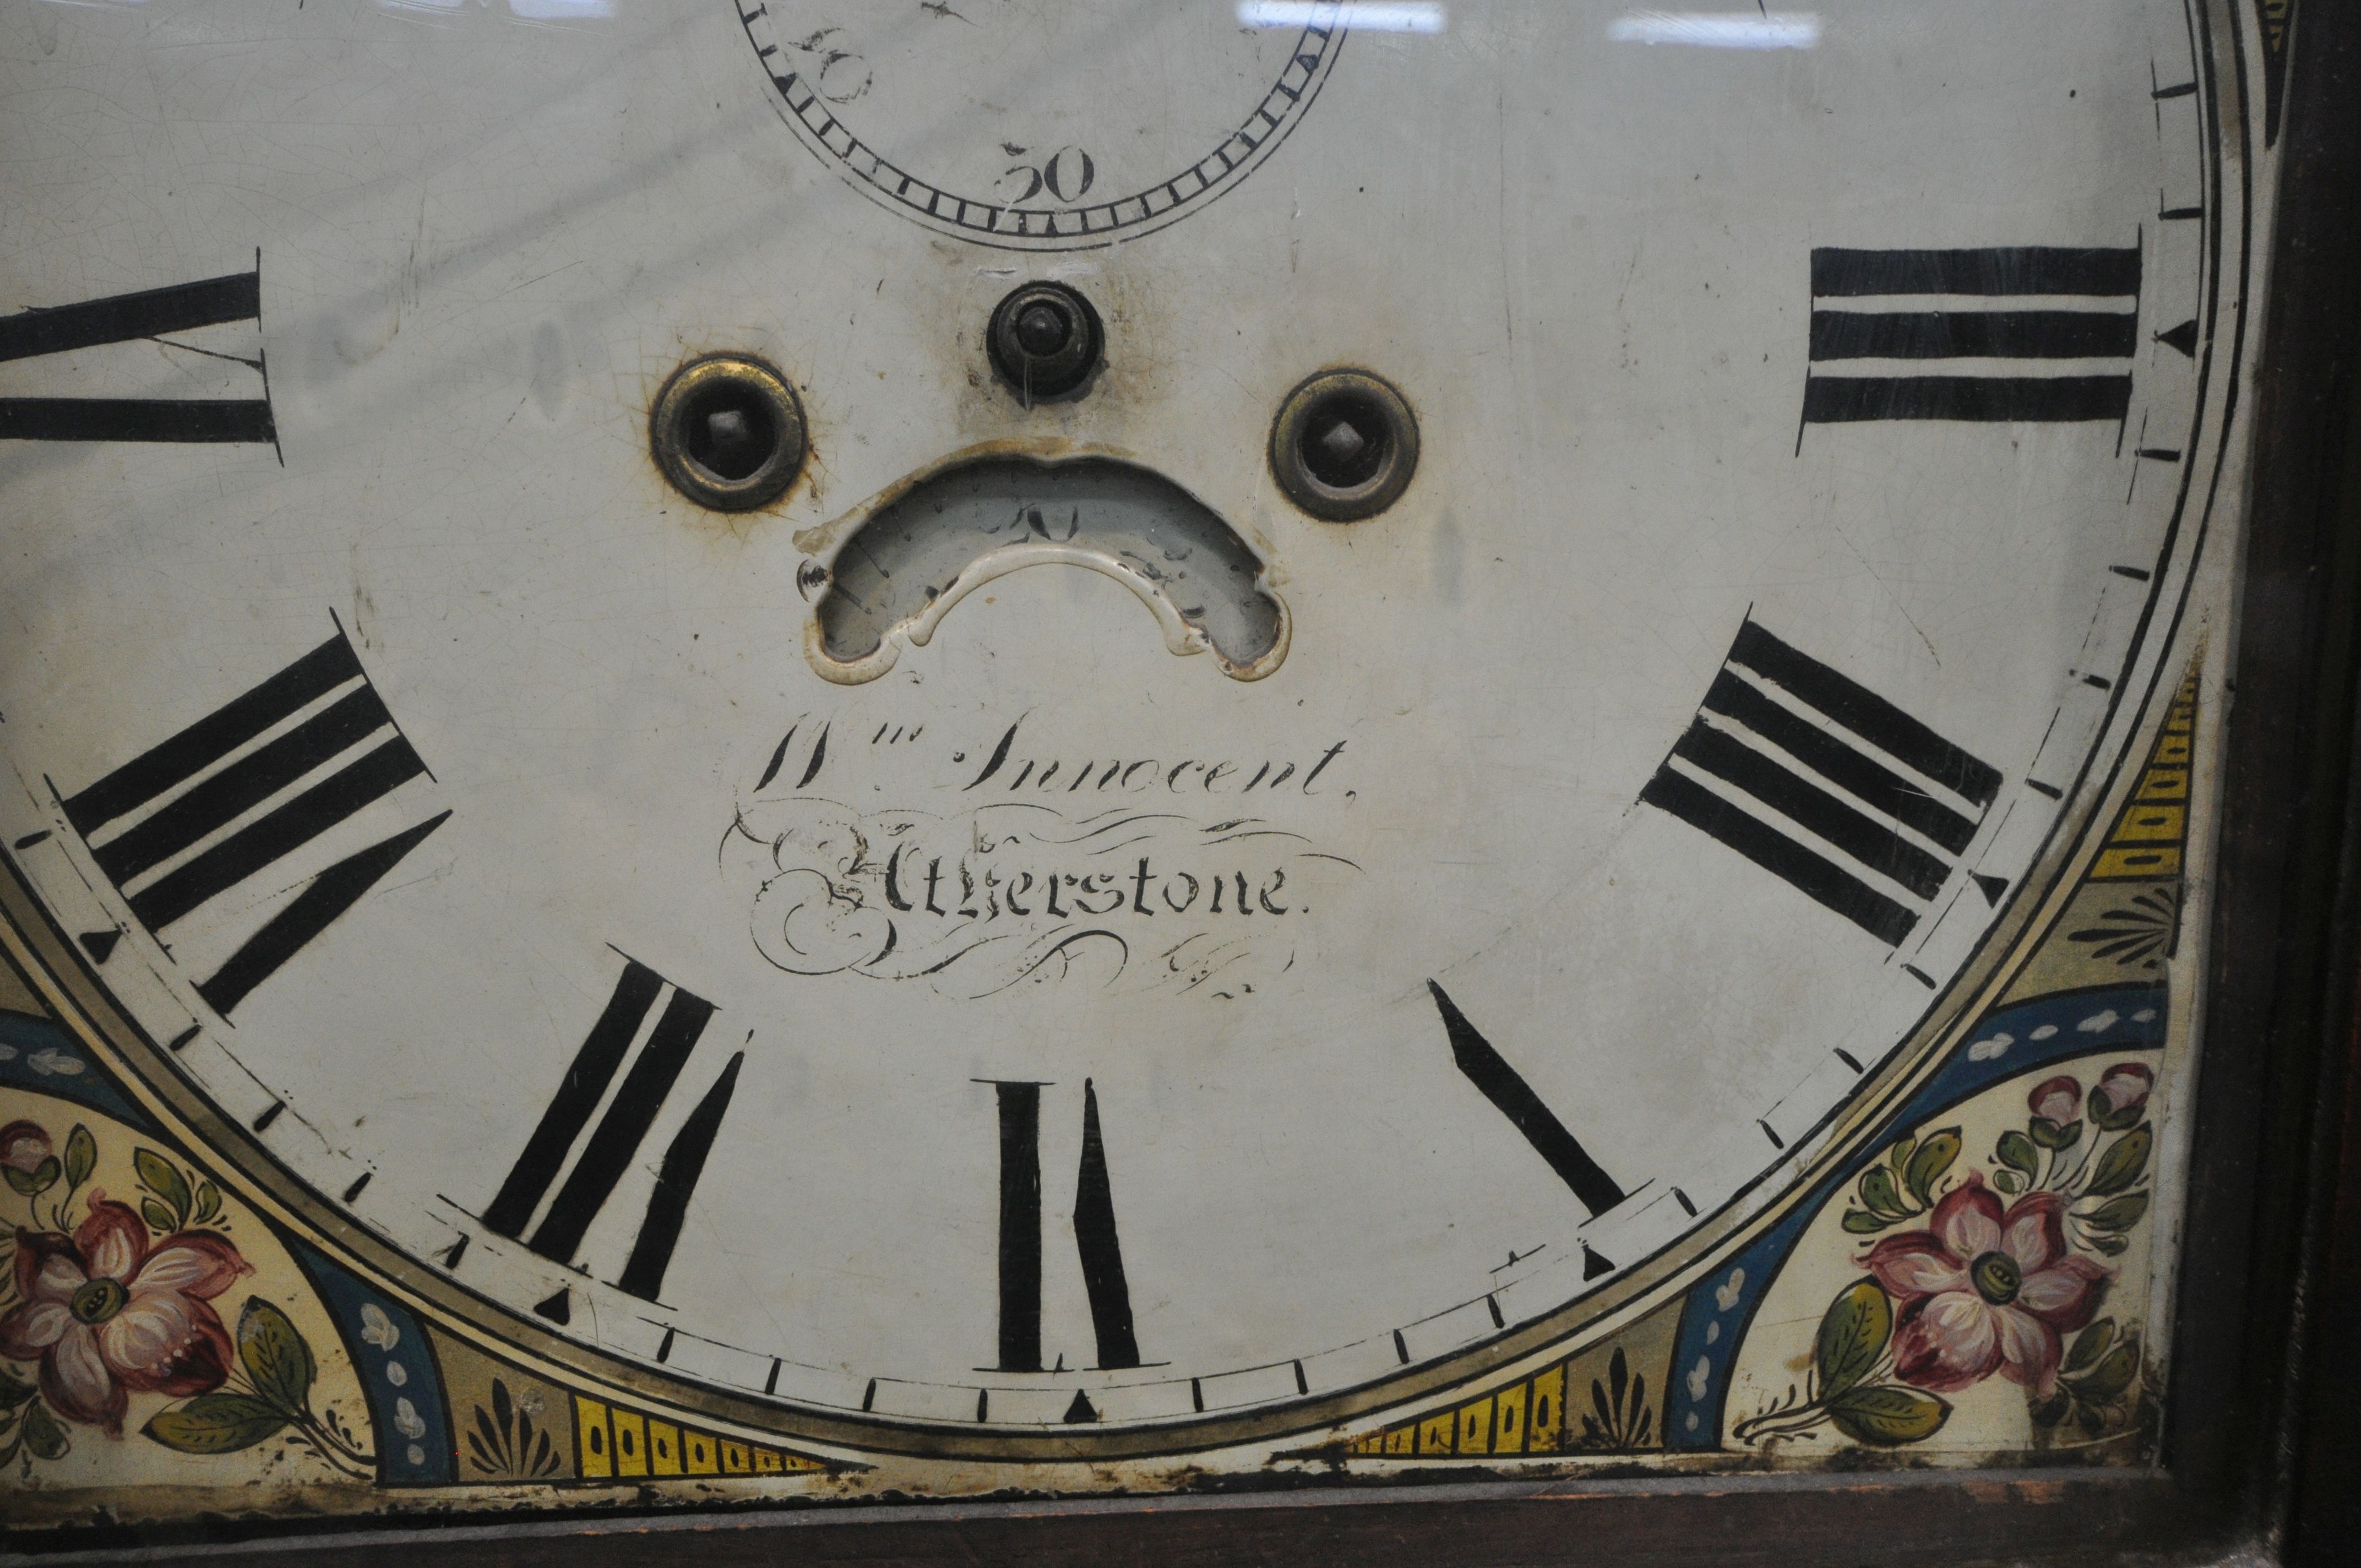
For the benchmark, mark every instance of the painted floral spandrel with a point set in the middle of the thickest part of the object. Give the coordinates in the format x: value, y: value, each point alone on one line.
x: 1984, y: 1288
x: 119, y: 1302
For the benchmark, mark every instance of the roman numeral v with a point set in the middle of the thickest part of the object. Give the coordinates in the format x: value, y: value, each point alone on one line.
x: 1511, y: 1095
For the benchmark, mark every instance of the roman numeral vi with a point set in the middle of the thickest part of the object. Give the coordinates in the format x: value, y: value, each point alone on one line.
x: 617, y: 1138
x: 1020, y: 1234
x: 213, y: 784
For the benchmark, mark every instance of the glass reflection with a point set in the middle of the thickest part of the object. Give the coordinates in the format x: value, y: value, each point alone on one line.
x: 1736, y: 29
x: 1362, y: 15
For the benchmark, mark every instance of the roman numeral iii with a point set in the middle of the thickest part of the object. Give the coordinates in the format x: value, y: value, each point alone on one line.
x: 616, y: 1140
x: 1794, y: 766
x: 1020, y: 1234
x: 208, y: 809
x: 125, y: 318
x: 1895, y: 322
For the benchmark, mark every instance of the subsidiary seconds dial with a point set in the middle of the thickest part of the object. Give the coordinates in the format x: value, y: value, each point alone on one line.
x: 981, y: 118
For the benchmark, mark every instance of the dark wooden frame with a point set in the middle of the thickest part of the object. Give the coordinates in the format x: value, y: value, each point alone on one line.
x: 2262, y: 1445
x: 2294, y: 1460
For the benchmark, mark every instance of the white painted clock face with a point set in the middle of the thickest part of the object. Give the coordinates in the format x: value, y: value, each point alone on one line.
x: 989, y: 997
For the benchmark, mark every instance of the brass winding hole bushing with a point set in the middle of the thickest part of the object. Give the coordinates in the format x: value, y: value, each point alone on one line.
x: 1344, y: 446
x: 727, y: 432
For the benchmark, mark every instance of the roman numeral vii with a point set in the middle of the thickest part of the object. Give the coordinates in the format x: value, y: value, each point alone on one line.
x: 124, y: 318
x: 1020, y: 1234
x: 209, y: 808
x: 617, y: 1137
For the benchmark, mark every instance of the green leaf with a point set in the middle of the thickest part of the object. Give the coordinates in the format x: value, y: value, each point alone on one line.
x: 43, y: 1435
x: 2015, y: 1151
x: 2111, y: 1376
x: 2107, y: 1116
x: 12, y: 1392
x: 1887, y: 1415
x: 2120, y: 1166
x: 1862, y: 1223
x: 158, y: 1218
x: 2091, y: 1343
x: 275, y: 1356
x: 2008, y: 1182
x: 1936, y: 1153
x: 34, y: 1182
x: 81, y: 1154
x: 2051, y: 1135
x: 2118, y: 1214
x: 1853, y: 1335
x: 1879, y: 1195
x: 2050, y: 1411
x: 164, y: 1180
x: 208, y: 1201
x: 2114, y: 1246
x: 1898, y: 1156
x: 216, y: 1424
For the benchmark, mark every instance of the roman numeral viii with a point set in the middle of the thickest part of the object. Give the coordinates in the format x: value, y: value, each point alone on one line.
x: 617, y: 1137
x: 1891, y: 315
x: 124, y: 318
x: 209, y: 809
x: 1020, y: 1234
x: 1794, y: 766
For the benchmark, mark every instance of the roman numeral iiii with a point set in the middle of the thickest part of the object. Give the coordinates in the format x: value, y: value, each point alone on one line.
x: 1020, y: 1234
x: 1890, y: 317
x: 208, y: 809
x: 617, y: 1138
x: 125, y: 318
x: 1794, y: 766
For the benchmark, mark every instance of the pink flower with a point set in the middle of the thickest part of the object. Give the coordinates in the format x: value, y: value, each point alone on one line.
x: 106, y: 1315
x: 2120, y: 1095
x: 2058, y: 1100
x: 1981, y: 1292
x: 24, y: 1145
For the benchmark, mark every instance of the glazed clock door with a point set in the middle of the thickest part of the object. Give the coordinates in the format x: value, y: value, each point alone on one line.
x: 820, y: 751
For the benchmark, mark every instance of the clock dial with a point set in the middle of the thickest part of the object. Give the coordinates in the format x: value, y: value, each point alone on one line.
x: 1087, y: 922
